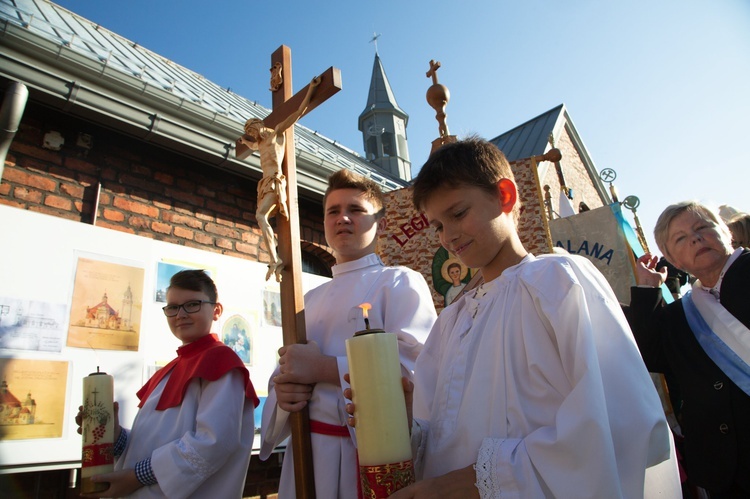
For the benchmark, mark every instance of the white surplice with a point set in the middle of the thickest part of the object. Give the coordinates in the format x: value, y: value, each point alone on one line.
x: 182, y: 441
x: 540, y: 383
x: 401, y: 304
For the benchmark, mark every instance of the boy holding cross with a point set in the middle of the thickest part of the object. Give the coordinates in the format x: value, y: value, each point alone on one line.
x: 312, y: 373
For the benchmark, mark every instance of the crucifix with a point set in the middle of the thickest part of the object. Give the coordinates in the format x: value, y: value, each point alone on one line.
x: 280, y: 167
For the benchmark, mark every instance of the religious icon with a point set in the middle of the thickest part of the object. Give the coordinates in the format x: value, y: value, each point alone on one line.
x: 236, y: 334
x: 449, y: 275
x: 455, y: 271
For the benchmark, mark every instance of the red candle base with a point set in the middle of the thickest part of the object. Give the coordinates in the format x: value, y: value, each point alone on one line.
x: 382, y: 481
x: 98, y: 455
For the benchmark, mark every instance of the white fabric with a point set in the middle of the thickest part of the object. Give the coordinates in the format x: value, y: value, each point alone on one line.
x: 715, y: 291
x: 540, y: 383
x: 200, y: 448
x: 401, y: 304
x: 453, y: 293
x: 724, y: 325
x: 566, y: 205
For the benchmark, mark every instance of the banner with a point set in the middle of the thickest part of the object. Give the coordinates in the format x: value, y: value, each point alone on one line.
x: 600, y: 236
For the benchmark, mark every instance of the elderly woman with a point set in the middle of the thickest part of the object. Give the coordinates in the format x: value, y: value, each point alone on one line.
x: 703, y: 340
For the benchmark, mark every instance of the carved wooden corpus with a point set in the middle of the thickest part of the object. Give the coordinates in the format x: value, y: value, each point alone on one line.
x: 330, y: 83
x: 276, y: 77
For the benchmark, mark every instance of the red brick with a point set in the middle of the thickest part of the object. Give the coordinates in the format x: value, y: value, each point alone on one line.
x: 162, y: 205
x: 204, y: 239
x: 225, y: 209
x: 27, y: 195
x: 38, y: 153
x: 74, y: 191
x: 183, y: 233
x: 141, y: 169
x: 250, y: 237
x: 242, y: 227
x: 135, y: 207
x: 140, y: 223
x: 58, y: 202
x: 140, y: 182
x: 104, y: 198
x: 224, y: 243
x: 108, y: 174
x: 14, y: 204
x: 249, y: 249
x: 185, y: 185
x: 81, y: 165
x: 222, y: 231
x: 185, y: 197
x: 112, y: 215
x: 164, y: 178
x: 86, y: 180
x: 119, y: 162
x: 161, y: 228
x: 207, y: 193
x: 245, y: 204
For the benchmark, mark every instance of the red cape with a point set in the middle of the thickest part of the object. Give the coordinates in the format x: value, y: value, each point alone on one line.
x: 205, y: 358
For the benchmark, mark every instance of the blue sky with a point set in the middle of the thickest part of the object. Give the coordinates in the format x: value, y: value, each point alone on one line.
x: 657, y: 89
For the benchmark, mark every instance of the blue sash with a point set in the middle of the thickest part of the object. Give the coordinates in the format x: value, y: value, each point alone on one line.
x: 729, y: 362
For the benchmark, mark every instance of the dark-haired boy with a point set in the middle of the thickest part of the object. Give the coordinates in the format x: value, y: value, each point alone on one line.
x: 531, y: 385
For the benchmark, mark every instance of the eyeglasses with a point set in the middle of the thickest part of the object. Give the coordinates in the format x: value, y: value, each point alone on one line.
x: 190, y: 307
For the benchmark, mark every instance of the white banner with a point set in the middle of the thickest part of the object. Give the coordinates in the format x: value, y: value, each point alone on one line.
x: 597, y: 234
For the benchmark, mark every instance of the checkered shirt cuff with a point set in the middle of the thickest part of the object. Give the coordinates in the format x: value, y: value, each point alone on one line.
x: 144, y: 473
x: 122, y: 441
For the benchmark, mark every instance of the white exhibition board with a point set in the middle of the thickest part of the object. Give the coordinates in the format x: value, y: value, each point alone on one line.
x: 39, y: 255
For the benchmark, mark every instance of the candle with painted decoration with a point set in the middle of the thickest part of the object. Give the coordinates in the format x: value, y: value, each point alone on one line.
x: 98, y: 430
x: 383, y: 442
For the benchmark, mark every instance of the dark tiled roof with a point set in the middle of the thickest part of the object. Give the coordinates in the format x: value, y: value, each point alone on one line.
x: 530, y: 138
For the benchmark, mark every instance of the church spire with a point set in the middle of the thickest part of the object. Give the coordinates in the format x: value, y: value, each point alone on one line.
x: 383, y: 126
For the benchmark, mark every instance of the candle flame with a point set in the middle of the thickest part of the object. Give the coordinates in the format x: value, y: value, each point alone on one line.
x: 365, y: 307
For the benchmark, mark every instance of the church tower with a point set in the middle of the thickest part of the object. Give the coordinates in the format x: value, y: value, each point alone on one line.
x: 127, y: 309
x: 383, y: 127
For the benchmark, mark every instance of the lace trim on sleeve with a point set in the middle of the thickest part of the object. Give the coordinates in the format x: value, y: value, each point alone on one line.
x: 487, y: 482
x: 195, y: 460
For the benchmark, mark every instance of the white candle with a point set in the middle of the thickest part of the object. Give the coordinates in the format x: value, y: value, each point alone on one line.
x: 383, y: 441
x: 97, y: 429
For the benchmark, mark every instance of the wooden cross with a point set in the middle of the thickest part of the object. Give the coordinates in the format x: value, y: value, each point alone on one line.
x: 290, y: 251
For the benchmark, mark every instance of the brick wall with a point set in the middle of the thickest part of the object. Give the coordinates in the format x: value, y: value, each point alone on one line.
x: 142, y: 189
x: 576, y: 176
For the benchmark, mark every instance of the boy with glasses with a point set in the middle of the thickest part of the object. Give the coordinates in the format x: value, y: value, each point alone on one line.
x: 193, y: 434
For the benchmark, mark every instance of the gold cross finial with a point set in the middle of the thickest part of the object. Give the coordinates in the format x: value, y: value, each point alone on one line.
x: 434, y: 66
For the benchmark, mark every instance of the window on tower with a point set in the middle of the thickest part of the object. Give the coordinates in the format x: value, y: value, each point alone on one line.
x: 389, y: 147
x: 372, y: 148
